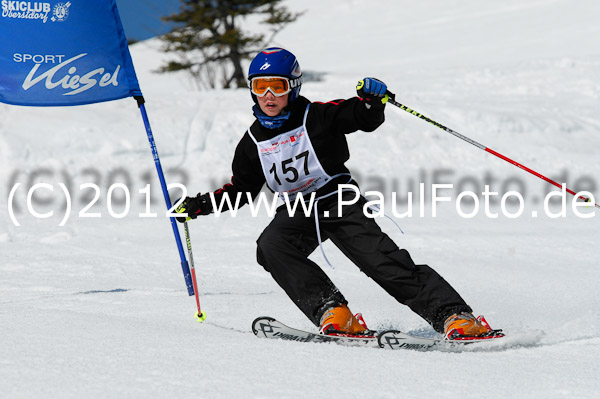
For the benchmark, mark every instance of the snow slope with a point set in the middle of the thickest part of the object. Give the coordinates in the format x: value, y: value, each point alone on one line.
x: 98, y: 307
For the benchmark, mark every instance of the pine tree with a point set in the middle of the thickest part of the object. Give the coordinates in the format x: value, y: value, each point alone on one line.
x: 209, y: 39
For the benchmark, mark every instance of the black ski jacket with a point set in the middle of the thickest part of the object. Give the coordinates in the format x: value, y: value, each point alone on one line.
x: 326, y: 123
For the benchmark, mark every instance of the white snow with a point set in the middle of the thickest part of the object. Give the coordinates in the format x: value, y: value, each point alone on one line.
x: 98, y: 308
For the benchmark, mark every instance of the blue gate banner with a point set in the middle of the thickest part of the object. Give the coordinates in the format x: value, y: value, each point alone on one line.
x: 58, y: 53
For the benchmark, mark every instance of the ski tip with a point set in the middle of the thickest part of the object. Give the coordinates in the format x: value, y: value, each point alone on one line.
x: 256, y: 322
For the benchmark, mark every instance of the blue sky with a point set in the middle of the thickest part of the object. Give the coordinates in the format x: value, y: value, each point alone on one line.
x: 141, y: 18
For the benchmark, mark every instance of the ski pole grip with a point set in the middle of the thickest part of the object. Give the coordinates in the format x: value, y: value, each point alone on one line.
x: 391, y: 95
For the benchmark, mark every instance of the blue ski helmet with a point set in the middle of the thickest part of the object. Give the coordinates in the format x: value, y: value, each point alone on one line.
x: 276, y: 61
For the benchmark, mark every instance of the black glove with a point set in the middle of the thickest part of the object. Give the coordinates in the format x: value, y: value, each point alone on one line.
x: 373, y: 92
x: 194, y: 206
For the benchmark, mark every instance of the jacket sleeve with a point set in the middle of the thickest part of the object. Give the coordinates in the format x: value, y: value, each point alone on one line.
x: 348, y: 116
x: 247, y: 176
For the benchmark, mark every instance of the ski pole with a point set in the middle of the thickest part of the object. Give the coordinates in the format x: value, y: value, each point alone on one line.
x: 200, y: 315
x: 481, y: 146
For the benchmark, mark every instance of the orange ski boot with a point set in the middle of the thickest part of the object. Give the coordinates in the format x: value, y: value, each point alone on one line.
x: 340, y: 321
x: 464, y: 326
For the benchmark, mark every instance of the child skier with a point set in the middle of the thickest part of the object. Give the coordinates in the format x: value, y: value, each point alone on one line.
x: 299, y: 147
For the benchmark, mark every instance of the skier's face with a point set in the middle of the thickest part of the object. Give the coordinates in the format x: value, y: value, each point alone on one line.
x: 271, y: 105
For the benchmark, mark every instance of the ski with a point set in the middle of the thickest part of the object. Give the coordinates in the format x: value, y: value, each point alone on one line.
x: 393, y: 339
x: 268, y: 327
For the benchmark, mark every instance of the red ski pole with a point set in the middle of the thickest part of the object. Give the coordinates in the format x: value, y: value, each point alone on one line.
x: 482, y: 147
x: 200, y: 315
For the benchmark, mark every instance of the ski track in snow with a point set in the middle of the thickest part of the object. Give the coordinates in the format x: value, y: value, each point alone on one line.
x: 98, y: 308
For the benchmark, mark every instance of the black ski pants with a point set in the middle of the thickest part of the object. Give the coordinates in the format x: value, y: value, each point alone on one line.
x: 286, y: 243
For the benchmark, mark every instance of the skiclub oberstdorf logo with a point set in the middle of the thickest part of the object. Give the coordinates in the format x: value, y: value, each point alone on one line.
x: 35, y: 10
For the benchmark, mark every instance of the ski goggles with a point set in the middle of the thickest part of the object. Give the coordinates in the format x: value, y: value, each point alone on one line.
x: 278, y: 85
